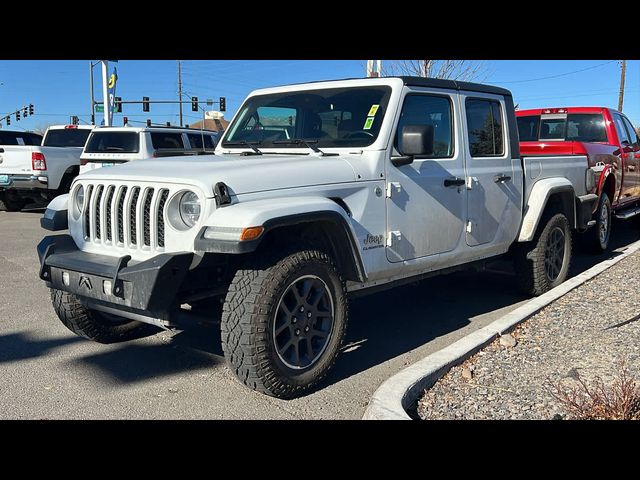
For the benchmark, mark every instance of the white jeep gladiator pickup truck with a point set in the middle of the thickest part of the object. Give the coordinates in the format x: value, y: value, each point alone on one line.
x: 44, y: 171
x: 316, y: 192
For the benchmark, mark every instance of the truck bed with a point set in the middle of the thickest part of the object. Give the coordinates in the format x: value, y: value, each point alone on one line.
x: 539, y: 167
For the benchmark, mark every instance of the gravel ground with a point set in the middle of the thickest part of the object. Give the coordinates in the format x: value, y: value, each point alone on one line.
x: 588, y: 331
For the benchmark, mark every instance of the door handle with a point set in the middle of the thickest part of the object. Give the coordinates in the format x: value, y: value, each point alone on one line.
x: 501, y: 177
x: 454, y: 182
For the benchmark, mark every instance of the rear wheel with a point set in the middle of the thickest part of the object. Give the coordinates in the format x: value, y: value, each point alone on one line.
x: 11, y: 202
x: 93, y: 325
x: 283, y: 322
x: 544, y: 263
x: 597, y: 237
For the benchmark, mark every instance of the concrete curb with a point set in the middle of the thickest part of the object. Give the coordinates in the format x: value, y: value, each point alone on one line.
x: 391, y: 400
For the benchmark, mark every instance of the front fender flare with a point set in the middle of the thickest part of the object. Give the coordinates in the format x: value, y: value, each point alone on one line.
x: 276, y: 213
x: 55, y: 217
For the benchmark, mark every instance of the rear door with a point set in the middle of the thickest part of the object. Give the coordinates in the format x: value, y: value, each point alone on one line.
x: 633, y: 154
x: 631, y: 161
x: 493, y: 201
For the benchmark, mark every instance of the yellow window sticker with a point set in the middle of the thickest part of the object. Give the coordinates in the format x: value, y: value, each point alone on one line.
x: 368, y: 123
x: 373, y: 110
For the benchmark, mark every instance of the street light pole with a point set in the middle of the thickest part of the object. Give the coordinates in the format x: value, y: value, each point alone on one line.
x: 93, y: 116
x: 180, y: 88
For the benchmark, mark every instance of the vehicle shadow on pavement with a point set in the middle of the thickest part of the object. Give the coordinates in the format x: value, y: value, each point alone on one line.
x: 388, y: 324
x: 186, y: 351
x: 22, y: 346
x: 392, y: 323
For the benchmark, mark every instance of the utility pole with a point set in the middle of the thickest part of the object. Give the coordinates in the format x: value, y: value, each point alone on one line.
x: 622, y: 74
x: 374, y: 68
x: 93, y: 117
x: 180, y: 88
x: 105, y: 93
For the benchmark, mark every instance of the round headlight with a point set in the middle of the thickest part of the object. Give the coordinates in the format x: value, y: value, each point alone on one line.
x: 189, y: 208
x: 78, y: 202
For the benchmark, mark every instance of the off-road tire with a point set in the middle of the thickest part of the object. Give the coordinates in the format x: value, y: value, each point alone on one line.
x: 92, y: 324
x: 249, y: 314
x: 529, y: 257
x: 65, y: 184
x: 8, y: 204
x: 592, y: 241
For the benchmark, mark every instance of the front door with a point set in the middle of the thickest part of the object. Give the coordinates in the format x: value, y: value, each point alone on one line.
x: 493, y: 201
x: 426, y: 199
x: 629, y: 152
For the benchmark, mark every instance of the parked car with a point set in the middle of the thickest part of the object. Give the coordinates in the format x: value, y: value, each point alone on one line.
x: 108, y: 146
x: 318, y: 192
x: 35, y: 172
x: 610, y: 142
x: 16, y: 137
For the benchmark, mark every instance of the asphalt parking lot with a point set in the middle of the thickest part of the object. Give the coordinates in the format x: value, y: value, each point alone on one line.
x: 47, y: 372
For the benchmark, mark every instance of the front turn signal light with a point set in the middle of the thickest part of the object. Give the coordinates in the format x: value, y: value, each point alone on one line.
x: 251, y: 233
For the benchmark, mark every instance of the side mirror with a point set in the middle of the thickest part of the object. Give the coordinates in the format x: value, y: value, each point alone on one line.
x: 626, y: 147
x: 415, y: 140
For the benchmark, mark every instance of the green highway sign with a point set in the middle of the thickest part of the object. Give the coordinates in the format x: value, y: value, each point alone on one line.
x: 99, y: 108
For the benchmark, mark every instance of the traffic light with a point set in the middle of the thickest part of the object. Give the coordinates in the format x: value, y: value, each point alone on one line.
x: 25, y: 111
x: 125, y: 120
x: 223, y: 104
x: 148, y: 122
x: 30, y: 109
x: 118, y: 104
x: 18, y: 116
x: 75, y: 120
x: 194, y: 104
x: 8, y: 120
x: 145, y: 104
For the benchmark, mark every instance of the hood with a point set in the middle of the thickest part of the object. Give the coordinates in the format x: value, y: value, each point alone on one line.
x: 242, y: 174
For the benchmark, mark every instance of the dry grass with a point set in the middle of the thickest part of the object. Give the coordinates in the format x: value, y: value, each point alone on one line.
x: 619, y: 401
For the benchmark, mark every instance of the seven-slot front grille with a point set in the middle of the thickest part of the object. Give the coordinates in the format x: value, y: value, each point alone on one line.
x: 125, y: 216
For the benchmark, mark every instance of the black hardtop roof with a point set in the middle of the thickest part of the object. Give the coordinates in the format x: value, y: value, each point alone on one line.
x: 428, y: 82
x: 454, y: 85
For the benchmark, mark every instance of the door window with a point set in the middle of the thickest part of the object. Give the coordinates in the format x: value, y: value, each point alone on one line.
x: 429, y: 110
x: 633, y: 134
x: 484, y: 127
x: 620, y: 129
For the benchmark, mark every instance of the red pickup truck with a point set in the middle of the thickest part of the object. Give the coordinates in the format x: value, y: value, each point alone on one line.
x: 611, y: 143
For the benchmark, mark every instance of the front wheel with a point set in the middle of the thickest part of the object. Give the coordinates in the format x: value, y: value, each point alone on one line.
x: 93, y: 325
x: 284, y: 321
x: 544, y: 263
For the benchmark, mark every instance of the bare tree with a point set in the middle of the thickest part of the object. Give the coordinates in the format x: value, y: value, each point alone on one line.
x: 40, y: 128
x: 463, y: 70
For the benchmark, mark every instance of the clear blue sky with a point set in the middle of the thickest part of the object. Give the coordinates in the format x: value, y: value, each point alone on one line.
x: 60, y: 88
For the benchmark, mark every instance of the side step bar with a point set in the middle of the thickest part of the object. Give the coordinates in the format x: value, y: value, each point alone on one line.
x: 625, y: 214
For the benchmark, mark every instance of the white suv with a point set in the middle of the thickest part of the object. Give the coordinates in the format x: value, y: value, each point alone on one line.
x: 111, y: 145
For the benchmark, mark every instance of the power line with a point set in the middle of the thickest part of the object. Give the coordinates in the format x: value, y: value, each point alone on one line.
x: 554, y: 76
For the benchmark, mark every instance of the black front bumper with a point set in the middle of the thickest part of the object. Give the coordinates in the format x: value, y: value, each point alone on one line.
x: 146, y: 288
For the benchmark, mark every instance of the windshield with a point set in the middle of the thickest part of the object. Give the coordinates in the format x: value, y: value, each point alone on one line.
x: 67, y: 137
x: 113, y: 142
x: 336, y: 117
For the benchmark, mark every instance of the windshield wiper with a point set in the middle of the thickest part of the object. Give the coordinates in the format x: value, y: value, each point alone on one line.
x: 311, y: 144
x: 251, y: 145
